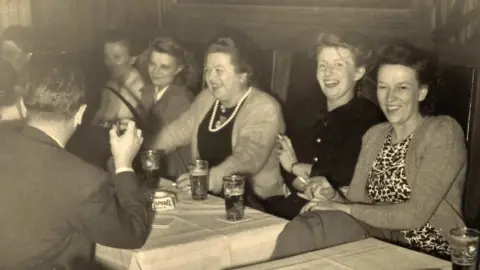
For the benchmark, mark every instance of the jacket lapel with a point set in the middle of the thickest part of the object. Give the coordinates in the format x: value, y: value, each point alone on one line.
x: 160, y: 106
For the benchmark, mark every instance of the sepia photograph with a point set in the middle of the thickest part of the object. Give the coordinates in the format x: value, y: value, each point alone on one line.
x: 239, y: 134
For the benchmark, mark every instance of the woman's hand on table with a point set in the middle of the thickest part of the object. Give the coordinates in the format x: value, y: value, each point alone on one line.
x: 319, y: 189
x: 300, y: 183
x: 325, y: 206
x: 183, y: 182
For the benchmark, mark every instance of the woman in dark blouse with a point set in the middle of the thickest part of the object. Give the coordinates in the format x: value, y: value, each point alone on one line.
x: 231, y: 124
x: 336, y: 138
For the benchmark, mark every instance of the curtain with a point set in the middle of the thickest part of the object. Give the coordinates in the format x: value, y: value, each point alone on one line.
x: 14, y: 12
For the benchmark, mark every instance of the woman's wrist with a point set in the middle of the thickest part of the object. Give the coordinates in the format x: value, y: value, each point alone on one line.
x: 293, y: 166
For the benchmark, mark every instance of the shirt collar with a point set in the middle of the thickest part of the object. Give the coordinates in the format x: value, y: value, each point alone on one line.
x: 159, y: 93
x: 345, y: 107
x: 56, y: 140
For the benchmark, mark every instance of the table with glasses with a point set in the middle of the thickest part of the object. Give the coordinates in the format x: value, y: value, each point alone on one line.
x: 365, y: 254
x: 199, y: 237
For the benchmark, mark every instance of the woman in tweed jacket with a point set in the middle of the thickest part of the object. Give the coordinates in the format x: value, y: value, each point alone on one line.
x: 231, y: 124
x: 409, y: 177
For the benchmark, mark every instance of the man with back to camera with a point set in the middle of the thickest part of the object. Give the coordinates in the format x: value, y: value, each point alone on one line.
x: 54, y: 205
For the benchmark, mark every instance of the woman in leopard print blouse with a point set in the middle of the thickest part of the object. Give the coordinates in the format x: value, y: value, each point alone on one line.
x: 408, y: 179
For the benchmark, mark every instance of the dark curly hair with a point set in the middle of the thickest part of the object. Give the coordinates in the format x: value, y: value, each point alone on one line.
x: 424, y: 63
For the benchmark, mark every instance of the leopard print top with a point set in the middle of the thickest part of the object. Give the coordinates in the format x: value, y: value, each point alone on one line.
x: 387, y: 183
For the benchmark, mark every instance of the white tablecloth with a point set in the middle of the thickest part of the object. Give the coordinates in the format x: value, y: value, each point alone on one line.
x: 366, y: 254
x: 197, y: 239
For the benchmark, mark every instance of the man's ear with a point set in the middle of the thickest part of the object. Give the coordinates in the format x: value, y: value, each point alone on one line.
x: 359, y: 73
x: 79, y: 115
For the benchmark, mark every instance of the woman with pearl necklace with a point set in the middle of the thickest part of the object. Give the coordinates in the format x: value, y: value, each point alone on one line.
x: 231, y: 124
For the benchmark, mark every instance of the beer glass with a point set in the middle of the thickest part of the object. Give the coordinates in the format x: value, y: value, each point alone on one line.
x: 150, y: 161
x: 464, y: 243
x: 199, y: 179
x: 233, y: 189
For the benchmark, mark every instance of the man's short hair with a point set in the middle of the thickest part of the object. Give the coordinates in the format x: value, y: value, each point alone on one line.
x: 55, y: 88
x: 8, y: 80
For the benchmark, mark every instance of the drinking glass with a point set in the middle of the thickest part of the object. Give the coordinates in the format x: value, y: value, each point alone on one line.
x: 150, y: 162
x: 464, y: 243
x: 233, y: 189
x: 199, y: 179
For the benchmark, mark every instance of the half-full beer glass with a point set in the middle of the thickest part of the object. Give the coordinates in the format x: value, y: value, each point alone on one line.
x: 199, y: 179
x: 150, y: 160
x: 464, y: 244
x: 233, y: 189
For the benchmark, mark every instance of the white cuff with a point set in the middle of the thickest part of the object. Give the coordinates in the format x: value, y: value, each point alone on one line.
x: 123, y: 169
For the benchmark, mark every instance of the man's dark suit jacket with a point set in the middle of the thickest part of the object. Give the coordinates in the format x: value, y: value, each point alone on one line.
x: 54, y: 206
x: 175, y: 101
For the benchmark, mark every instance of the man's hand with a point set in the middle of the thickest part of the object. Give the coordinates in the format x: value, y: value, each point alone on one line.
x: 125, y: 147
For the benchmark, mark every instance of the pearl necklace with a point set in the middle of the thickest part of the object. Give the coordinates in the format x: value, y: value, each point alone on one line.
x: 212, y: 118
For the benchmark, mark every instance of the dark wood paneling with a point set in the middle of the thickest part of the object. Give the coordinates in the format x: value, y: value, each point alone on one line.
x: 472, y: 187
x: 307, y: 3
x: 289, y: 27
x: 71, y: 25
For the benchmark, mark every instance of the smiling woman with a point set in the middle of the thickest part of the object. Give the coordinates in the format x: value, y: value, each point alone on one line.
x: 408, y: 181
x: 334, y: 141
x: 231, y: 124
x: 171, y: 69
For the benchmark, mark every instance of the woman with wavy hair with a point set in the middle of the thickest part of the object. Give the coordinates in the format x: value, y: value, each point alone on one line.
x: 335, y: 139
x: 172, y: 71
x: 408, y: 181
